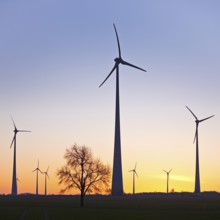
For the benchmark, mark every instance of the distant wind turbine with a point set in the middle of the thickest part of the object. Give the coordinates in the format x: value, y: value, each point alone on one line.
x: 18, y: 180
x: 168, y: 175
x: 134, y: 173
x: 46, y: 176
x: 117, y: 181
x: 196, y: 138
x: 37, y: 170
x: 14, y: 176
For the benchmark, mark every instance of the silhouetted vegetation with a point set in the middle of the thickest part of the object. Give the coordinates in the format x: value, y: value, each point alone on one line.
x: 83, y: 172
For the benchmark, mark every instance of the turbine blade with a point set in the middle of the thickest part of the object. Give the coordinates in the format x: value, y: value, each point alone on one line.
x: 166, y: 172
x: 38, y: 164
x: 206, y: 118
x: 47, y: 169
x: 47, y: 176
x: 119, y: 49
x: 136, y: 173
x: 129, y: 64
x: 23, y: 131
x: 192, y: 113
x: 40, y: 171
x: 170, y: 170
x: 196, y: 133
x: 109, y: 74
x: 34, y: 170
x: 12, y: 141
x: 135, y: 166
x: 13, y: 123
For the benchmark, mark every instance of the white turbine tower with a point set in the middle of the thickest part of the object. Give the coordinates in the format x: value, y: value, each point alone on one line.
x: 14, y: 175
x: 37, y: 170
x: 46, y: 176
x: 134, y: 173
x: 117, y: 181
x: 196, y: 138
x: 168, y: 176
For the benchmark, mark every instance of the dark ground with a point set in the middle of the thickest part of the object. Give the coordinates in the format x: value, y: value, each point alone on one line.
x: 153, y: 206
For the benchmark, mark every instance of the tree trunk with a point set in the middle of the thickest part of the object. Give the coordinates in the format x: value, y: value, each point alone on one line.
x: 81, y: 199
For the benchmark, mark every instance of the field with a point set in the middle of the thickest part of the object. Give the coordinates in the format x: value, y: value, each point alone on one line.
x: 147, y: 206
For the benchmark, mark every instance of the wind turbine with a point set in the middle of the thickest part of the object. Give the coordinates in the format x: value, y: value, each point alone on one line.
x: 46, y: 176
x: 134, y: 173
x: 168, y: 175
x: 117, y: 181
x: 18, y: 180
x: 37, y: 170
x: 14, y: 175
x: 197, y: 177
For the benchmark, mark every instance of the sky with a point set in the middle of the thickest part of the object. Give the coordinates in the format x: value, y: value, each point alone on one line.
x: 55, y: 54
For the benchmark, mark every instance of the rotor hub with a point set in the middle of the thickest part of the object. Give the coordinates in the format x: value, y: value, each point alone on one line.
x: 118, y: 60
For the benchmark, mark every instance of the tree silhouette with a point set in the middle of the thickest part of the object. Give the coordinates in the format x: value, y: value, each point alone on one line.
x: 83, y: 172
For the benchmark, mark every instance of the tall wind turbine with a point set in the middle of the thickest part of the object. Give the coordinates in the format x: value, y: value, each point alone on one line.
x: 197, y: 177
x: 168, y: 175
x: 46, y: 176
x: 14, y: 175
x: 37, y: 170
x: 134, y: 173
x: 117, y: 181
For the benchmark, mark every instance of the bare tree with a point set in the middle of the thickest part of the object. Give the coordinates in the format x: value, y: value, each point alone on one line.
x: 83, y: 172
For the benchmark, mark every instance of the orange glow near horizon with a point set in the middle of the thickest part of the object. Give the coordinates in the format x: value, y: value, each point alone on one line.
x: 151, y: 177
x: 144, y: 183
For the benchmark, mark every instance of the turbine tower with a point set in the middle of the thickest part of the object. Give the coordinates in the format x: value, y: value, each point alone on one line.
x: 196, y: 138
x: 168, y: 175
x: 46, y: 176
x: 117, y: 181
x: 14, y: 175
x: 134, y: 173
x: 37, y: 170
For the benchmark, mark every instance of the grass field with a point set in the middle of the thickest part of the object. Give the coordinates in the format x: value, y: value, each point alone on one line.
x: 138, y: 207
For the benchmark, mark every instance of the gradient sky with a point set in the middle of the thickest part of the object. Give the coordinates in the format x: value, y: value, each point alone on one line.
x: 55, y: 54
